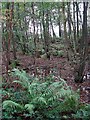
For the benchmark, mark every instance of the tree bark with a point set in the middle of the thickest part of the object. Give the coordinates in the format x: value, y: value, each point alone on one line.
x: 59, y: 24
x: 74, y: 28
x: 46, y: 32
x: 13, y: 40
x: 77, y: 9
x: 83, y: 46
x: 69, y: 20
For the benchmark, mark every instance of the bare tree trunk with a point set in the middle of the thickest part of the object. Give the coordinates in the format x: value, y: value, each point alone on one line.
x: 83, y: 46
x: 47, y: 41
x: 69, y: 20
x: 77, y: 9
x: 46, y: 33
x: 66, y: 41
x: 54, y: 35
x: 33, y: 21
x: 25, y: 23
x: 74, y: 28
x: 41, y: 31
x: 59, y: 24
x: 9, y: 39
x: 35, y: 50
x: 13, y: 40
x: 22, y: 39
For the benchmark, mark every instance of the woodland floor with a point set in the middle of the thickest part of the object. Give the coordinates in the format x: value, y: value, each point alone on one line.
x: 58, y: 65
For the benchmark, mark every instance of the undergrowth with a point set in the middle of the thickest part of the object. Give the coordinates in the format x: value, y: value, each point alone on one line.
x: 42, y: 99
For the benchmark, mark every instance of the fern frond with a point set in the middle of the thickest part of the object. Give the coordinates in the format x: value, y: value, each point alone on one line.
x: 23, y: 77
x: 24, y: 84
x: 30, y: 108
x: 9, y: 103
x: 40, y: 100
x: 43, y: 94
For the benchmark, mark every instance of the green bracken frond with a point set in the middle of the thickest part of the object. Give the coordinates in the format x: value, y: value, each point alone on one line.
x: 30, y: 107
x: 44, y: 94
x: 9, y: 103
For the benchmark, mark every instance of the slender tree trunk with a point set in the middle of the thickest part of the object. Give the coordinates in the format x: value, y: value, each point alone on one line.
x: 43, y: 24
x: 83, y: 46
x: 22, y: 37
x: 74, y: 28
x: 47, y: 41
x: 13, y: 40
x: 66, y: 42
x: 46, y: 33
x: 41, y: 31
x: 8, y: 39
x: 25, y: 20
x: 77, y: 9
x: 59, y: 24
x: 33, y: 21
x: 35, y: 50
x: 64, y: 23
x: 54, y: 35
x: 69, y: 20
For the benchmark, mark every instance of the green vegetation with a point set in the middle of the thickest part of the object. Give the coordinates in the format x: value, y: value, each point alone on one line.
x: 42, y: 99
x: 43, y: 42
